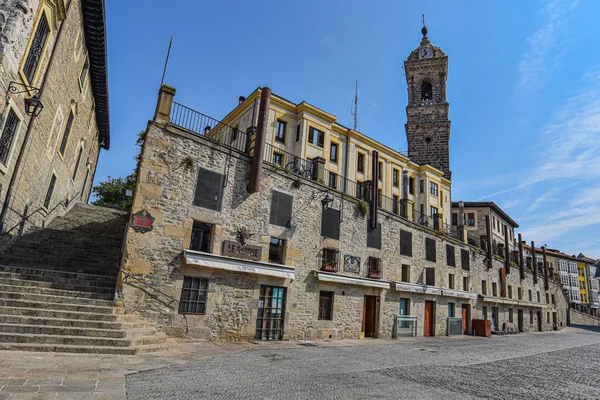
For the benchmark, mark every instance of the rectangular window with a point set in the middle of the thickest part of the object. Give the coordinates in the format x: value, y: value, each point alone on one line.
x: 520, y: 293
x: 471, y: 219
x: 330, y: 260
x: 450, y: 256
x: 333, y: 153
x: 547, y: 298
x: 430, y: 276
x: 359, y: 189
x: 405, y: 273
x: 316, y: 137
x: 404, y: 306
x: 280, y: 132
x: 201, y: 237
x: 395, y: 204
x: 332, y: 180
x: 494, y: 289
x: 433, y: 188
x: 405, y: 243
x: 454, y: 219
x: 484, y: 312
x: 49, y: 192
x: 84, y: 71
x: 450, y: 281
x: 553, y: 300
x: 278, y: 158
x: 77, y: 163
x: 538, y: 297
x: 433, y: 211
x: 209, y: 189
x: 465, y: 259
x: 360, y: 163
x: 484, y: 288
x: 530, y: 295
x: 509, y: 292
x: 396, y: 177
x: 374, y: 268
x: 411, y: 185
x: 531, y: 316
x: 35, y: 50
x: 510, y: 315
x: 547, y: 317
x: 298, y: 132
x: 193, y: 296
x: 465, y: 286
x: 380, y: 171
x: 8, y: 135
x: 281, y: 209
x: 450, y: 310
x: 276, y: 249
x: 325, y: 306
x: 67, y: 132
x: 422, y: 186
x: 430, y: 250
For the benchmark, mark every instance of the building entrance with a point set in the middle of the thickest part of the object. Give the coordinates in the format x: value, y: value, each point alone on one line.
x: 369, y: 325
x: 429, y: 318
x: 271, y: 312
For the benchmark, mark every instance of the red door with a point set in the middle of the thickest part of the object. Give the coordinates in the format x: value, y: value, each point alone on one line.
x: 429, y: 319
x: 465, y: 319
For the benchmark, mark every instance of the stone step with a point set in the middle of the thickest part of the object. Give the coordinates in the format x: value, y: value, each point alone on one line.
x: 141, y: 332
x: 73, y: 315
x: 65, y: 322
x: 170, y: 343
x: 63, y: 331
x: 64, y: 340
x: 149, y: 340
x: 104, y: 290
x: 106, y: 281
x: 31, y: 272
x: 40, y: 305
x: 100, y: 268
x: 56, y: 292
x: 45, y: 298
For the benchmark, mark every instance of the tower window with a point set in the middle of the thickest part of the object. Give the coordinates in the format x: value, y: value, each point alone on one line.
x: 426, y: 91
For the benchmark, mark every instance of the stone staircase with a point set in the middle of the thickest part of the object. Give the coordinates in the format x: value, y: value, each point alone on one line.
x: 57, y: 286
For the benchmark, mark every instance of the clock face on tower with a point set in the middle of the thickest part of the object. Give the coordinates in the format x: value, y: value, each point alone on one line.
x: 425, y: 52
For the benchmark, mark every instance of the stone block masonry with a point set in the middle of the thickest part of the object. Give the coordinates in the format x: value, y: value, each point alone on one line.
x: 234, y: 299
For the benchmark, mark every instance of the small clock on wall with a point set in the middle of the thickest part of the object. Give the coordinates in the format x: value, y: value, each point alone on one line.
x: 425, y: 52
x: 351, y: 263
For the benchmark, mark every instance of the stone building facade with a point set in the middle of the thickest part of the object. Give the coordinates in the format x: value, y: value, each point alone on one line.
x: 53, y: 51
x: 319, y: 268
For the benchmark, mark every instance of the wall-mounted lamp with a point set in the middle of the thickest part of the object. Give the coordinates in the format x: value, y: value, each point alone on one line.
x: 326, y: 202
x: 33, y: 105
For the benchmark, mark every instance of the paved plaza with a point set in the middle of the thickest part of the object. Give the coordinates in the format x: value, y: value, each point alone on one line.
x: 552, y: 365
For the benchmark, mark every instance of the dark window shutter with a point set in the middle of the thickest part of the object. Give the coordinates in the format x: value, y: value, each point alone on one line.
x: 373, y: 236
x: 406, y: 243
x: 450, y: 258
x: 430, y: 250
x: 330, y: 224
x: 430, y: 276
x: 281, y: 209
x: 209, y: 189
x: 464, y: 259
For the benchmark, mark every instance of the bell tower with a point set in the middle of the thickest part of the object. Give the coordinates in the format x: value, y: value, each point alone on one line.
x: 427, y: 123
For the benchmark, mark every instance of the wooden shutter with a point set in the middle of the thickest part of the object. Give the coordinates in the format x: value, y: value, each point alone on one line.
x: 406, y: 243
x: 430, y: 250
x: 465, y: 260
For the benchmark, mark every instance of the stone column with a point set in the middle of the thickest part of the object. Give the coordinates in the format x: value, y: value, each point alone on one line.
x: 164, y: 103
x: 366, y: 191
x: 318, y: 164
x: 438, y: 222
x: 462, y: 233
x: 406, y: 207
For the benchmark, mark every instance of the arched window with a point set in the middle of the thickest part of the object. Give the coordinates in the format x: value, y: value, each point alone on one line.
x: 426, y: 91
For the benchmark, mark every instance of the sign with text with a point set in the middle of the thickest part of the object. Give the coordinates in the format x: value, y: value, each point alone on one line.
x: 142, y: 221
x: 238, y: 250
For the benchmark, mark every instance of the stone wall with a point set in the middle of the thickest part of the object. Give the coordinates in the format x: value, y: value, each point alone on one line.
x: 166, y: 188
x: 579, y: 318
x: 61, y: 95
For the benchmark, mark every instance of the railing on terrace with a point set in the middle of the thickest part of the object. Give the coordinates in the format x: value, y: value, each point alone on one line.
x: 288, y: 161
x: 341, y: 184
x: 210, y: 128
x: 423, y: 219
x: 451, y: 230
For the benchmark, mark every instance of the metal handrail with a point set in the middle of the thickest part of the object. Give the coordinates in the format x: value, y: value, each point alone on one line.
x: 128, y: 275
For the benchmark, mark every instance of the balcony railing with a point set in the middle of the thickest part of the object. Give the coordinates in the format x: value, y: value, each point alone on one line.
x: 374, y: 269
x: 210, y: 128
x: 288, y: 161
x: 330, y: 260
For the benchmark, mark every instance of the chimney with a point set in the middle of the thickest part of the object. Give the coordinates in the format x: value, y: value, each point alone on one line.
x: 241, y: 99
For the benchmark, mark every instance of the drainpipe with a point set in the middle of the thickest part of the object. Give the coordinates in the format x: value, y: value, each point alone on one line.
x: 259, y: 143
x: 374, y: 187
x: 521, y: 261
x: 13, y: 178
x: 506, y: 251
x: 534, y: 262
x: 546, y: 283
x: 489, y: 240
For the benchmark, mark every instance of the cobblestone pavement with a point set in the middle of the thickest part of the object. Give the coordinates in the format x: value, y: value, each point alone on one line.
x: 554, y: 365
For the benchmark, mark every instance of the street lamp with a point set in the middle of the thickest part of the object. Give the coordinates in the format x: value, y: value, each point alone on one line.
x: 33, y: 105
x: 326, y: 202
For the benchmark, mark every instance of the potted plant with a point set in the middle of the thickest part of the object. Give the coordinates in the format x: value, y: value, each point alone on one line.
x: 329, y: 265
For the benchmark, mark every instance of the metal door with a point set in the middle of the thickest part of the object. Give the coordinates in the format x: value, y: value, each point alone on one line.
x: 271, y: 312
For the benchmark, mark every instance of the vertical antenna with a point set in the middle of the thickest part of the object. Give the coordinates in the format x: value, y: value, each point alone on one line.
x: 355, y: 111
x: 423, y: 19
x: 166, y: 62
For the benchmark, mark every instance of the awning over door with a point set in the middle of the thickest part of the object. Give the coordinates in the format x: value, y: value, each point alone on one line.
x: 512, y: 302
x: 351, y: 280
x: 233, y: 264
x: 434, y: 290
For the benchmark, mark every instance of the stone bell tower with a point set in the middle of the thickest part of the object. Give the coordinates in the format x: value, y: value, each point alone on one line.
x: 427, y: 125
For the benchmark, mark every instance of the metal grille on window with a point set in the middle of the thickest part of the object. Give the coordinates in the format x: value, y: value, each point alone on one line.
x: 77, y: 163
x: 50, y: 190
x: 8, y: 134
x: 271, y: 312
x: 326, y: 306
x: 201, y: 235
x: 193, y: 296
x: 65, y: 138
x: 36, y: 48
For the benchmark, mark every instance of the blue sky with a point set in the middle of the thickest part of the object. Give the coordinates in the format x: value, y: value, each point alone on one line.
x: 523, y: 86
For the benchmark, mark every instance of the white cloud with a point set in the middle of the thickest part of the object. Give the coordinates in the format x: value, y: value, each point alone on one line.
x: 540, y: 57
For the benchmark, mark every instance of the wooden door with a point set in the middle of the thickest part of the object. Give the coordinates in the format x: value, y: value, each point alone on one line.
x: 520, y: 320
x: 539, y: 320
x: 554, y: 322
x: 465, y: 319
x: 429, y: 319
x: 370, y: 316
